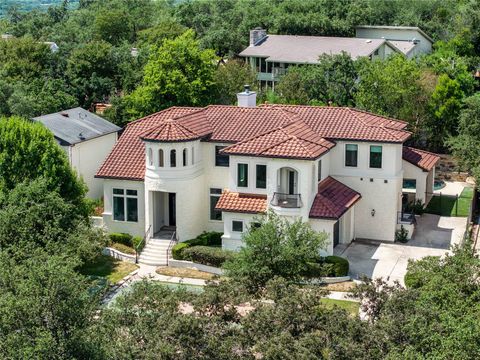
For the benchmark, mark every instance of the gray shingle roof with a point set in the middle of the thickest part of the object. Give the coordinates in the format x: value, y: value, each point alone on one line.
x: 404, y: 46
x: 76, y: 125
x: 307, y: 49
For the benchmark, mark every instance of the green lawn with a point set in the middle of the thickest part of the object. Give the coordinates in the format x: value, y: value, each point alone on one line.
x: 106, y: 266
x: 449, y: 206
x: 350, y: 306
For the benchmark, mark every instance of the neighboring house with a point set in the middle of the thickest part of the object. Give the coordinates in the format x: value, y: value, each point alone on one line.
x: 271, y: 55
x: 410, y: 40
x: 218, y: 167
x: 86, y: 138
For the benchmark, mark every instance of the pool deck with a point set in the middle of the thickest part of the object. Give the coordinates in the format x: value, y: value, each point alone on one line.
x: 452, y: 188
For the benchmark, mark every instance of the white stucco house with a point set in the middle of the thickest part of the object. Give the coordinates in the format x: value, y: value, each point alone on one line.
x: 86, y: 138
x: 217, y: 168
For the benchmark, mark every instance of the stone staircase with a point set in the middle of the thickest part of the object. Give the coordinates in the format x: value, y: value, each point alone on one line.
x: 155, y: 251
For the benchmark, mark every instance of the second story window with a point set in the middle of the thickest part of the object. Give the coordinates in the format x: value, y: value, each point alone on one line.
x: 261, y: 180
x: 185, y: 157
x: 221, y: 159
x: 214, y: 197
x: 160, y: 158
x: 173, y: 158
x: 242, y: 175
x: 319, y: 170
x: 351, y: 155
x: 375, y: 156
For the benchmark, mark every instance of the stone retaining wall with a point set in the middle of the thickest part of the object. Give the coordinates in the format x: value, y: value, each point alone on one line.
x: 191, y: 265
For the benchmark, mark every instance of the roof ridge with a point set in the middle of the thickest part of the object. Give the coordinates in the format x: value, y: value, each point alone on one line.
x: 421, y: 150
x: 381, y: 126
x: 159, y: 112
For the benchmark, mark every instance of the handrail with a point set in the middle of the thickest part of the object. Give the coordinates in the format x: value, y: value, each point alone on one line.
x: 171, y: 244
x: 141, y: 244
x: 286, y: 200
x: 405, y: 217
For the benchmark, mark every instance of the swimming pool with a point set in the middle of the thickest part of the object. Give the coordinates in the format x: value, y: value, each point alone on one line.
x: 438, y: 184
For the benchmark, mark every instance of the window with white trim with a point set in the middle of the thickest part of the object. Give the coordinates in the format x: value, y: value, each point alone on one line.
x: 125, y: 205
x: 185, y: 157
x: 214, y: 197
x: 237, y: 226
x: 150, y: 156
x: 173, y: 158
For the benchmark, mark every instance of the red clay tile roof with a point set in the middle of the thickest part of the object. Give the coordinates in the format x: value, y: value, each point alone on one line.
x: 294, y: 140
x: 333, y: 199
x: 127, y: 159
x: 423, y: 159
x: 242, y: 203
x: 234, y: 124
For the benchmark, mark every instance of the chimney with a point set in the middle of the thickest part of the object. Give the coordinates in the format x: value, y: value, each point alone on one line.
x: 247, y: 98
x: 256, y: 35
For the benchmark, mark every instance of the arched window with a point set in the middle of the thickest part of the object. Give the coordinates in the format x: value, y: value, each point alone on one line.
x: 160, y: 158
x: 193, y: 155
x: 185, y: 157
x: 150, y: 157
x: 173, y: 158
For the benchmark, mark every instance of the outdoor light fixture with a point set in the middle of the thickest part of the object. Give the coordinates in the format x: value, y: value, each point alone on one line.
x: 373, y: 212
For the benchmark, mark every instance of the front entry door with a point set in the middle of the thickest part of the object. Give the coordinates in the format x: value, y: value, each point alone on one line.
x: 172, y: 211
x: 336, y: 233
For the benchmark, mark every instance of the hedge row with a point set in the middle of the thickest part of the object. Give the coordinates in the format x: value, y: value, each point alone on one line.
x: 207, y: 255
x: 205, y: 239
x: 125, y: 239
x: 330, y: 266
x: 204, y: 249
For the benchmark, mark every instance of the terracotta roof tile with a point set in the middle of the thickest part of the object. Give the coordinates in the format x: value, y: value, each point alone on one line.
x: 294, y: 140
x: 333, y: 199
x: 423, y: 159
x: 242, y: 203
x: 127, y: 159
x: 310, y: 131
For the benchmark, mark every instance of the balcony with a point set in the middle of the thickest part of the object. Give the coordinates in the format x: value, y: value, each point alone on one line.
x: 289, y: 201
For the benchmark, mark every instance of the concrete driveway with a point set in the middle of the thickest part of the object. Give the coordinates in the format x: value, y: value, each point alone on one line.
x: 434, y: 235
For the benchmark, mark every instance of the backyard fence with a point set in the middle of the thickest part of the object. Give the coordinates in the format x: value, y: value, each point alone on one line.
x: 451, y: 205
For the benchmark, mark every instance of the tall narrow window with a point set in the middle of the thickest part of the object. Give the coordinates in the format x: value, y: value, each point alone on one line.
x: 242, y: 175
x: 214, y: 197
x: 376, y: 156
x: 351, y: 155
x: 173, y: 158
x: 119, y: 204
x: 221, y: 159
x: 319, y: 170
x: 132, y: 205
x: 193, y: 155
x: 160, y: 158
x: 261, y: 180
x: 185, y: 157
x: 150, y: 157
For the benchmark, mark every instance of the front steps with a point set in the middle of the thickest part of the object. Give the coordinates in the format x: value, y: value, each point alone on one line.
x: 155, y: 252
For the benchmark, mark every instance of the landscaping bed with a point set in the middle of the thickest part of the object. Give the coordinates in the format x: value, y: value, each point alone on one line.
x: 204, y: 249
x: 106, y: 266
x: 184, y: 273
x: 352, y: 307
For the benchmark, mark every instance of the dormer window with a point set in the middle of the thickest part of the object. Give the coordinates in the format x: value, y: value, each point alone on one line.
x: 160, y: 158
x: 173, y: 158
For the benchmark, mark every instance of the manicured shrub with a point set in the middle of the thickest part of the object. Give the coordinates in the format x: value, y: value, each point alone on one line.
x: 206, y: 255
x: 340, y: 265
x: 211, y: 238
x: 316, y: 270
x: 177, y: 250
x: 136, y: 240
x: 401, y: 235
x: 121, y: 238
